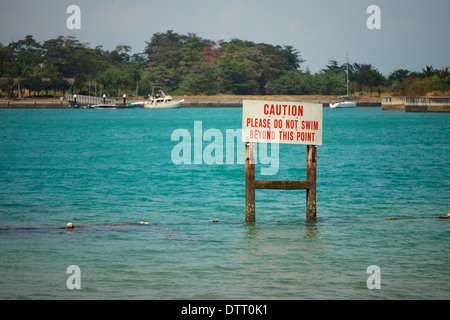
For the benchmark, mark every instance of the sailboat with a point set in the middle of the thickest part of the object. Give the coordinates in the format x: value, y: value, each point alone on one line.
x: 343, y: 101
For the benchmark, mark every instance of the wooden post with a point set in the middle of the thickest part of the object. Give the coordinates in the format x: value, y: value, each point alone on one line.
x: 309, y: 184
x: 250, y: 181
x: 311, y: 169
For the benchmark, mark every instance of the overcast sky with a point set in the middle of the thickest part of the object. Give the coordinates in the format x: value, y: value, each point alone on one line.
x: 413, y: 34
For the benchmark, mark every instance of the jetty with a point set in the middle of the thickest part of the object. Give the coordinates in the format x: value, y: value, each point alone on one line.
x: 44, y: 104
x: 416, y: 104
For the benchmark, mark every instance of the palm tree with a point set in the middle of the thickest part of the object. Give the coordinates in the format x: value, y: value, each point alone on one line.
x: 444, y: 75
x: 429, y: 71
x: 20, y: 72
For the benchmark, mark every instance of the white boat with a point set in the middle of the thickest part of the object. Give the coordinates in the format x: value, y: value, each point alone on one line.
x: 161, y: 101
x: 343, y: 101
x: 137, y: 104
x: 103, y: 106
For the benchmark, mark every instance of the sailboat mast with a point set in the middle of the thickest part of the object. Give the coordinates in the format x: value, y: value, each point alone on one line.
x: 347, y: 73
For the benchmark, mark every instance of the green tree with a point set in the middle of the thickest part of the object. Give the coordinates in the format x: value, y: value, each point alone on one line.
x: 72, y: 59
x: 375, y: 80
x: 236, y: 76
x: 27, y: 52
x: 34, y: 83
x: 160, y: 76
x: 164, y: 49
x: 367, y: 77
x: 20, y: 71
x: 201, y: 80
x: 334, y: 66
x: 58, y: 83
x: 294, y: 82
x: 359, y: 75
x: 292, y: 56
x: 2, y: 60
x: 20, y: 59
x: 399, y: 75
x: 428, y: 71
x: 270, y: 65
x: 265, y: 63
x: 444, y: 74
x: 120, y: 54
x: 329, y: 83
x: 61, y: 54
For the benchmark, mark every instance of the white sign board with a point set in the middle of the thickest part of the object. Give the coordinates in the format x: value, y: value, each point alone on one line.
x: 282, y: 122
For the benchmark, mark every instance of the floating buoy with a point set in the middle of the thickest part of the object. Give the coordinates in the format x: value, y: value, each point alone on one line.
x: 143, y: 222
x: 214, y: 220
x: 70, y: 225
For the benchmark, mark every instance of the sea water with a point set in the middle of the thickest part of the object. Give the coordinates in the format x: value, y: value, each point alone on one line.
x: 108, y: 170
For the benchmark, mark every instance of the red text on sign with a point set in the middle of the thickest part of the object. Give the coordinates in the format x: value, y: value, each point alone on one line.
x: 283, y: 110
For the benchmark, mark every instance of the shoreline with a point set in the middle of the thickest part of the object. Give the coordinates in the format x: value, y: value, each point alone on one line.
x: 33, y: 104
x: 197, y: 101
x: 387, y: 103
x: 185, y: 104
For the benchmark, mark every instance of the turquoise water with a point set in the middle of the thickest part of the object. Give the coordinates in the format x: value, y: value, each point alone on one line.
x: 96, y: 168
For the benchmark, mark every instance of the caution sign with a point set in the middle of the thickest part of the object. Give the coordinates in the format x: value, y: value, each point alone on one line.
x: 282, y: 122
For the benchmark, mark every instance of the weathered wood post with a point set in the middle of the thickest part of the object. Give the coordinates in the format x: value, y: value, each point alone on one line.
x: 249, y: 181
x: 311, y: 169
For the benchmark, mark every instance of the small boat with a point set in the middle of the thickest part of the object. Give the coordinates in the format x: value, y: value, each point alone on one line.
x: 343, y: 101
x: 112, y: 106
x: 108, y: 106
x: 161, y: 101
x: 103, y: 106
x: 137, y: 104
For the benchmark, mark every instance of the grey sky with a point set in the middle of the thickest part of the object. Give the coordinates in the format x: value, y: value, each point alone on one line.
x: 413, y: 33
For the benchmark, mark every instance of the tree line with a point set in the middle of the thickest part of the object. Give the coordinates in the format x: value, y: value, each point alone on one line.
x: 191, y: 65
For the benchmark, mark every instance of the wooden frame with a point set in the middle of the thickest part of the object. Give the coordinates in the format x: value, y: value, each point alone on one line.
x: 309, y: 184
